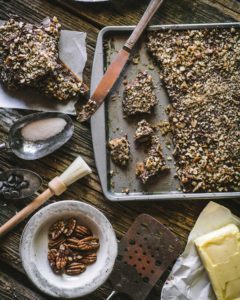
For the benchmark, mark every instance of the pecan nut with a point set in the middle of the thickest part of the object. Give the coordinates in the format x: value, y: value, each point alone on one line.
x: 55, y: 244
x: 81, y: 232
x: 56, y: 230
x: 74, y: 257
x: 89, y: 259
x: 87, y: 244
x: 70, y: 226
x: 75, y: 268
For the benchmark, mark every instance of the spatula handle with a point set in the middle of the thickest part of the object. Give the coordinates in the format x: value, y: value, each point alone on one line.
x: 111, y: 296
x: 118, y: 296
x: 150, y: 11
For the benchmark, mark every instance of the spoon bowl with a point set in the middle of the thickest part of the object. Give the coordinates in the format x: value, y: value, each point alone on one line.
x: 22, y: 181
x: 28, y: 146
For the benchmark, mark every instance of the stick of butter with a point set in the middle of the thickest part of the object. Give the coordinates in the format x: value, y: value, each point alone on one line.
x: 220, y: 254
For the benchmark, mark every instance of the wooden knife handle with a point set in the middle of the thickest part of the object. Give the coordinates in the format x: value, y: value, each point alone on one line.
x: 142, y: 24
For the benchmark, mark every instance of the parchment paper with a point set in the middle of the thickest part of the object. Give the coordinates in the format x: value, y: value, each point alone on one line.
x: 72, y: 51
x: 188, y: 279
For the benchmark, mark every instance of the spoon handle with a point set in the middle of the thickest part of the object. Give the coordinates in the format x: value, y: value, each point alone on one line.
x: 3, y: 146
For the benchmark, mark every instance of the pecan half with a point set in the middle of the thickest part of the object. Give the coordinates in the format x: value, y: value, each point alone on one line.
x: 52, y: 255
x: 55, y: 244
x: 74, y: 257
x: 75, y: 268
x: 81, y: 232
x: 56, y: 230
x: 70, y: 226
x: 89, y: 258
x: 62, y: 256
x: 87, y: 244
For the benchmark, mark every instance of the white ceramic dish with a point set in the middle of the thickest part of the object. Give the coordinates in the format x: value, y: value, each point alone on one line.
x: 34, y: 249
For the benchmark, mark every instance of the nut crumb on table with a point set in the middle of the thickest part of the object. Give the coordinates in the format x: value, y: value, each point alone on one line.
x: 154, y: 164
x: 200, y: 70
x: 143, y: 132
x: 119, y: 150
x: 139, y: 95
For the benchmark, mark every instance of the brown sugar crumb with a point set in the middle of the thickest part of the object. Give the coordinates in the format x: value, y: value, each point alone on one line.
x: 63, y: 84
x: 139, y: 95
x: 143, y: 132
x: 201, y: 72
x: 119, y: 150
x: 154, y: 164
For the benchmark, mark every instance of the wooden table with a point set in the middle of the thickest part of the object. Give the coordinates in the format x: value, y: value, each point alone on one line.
x: 179, y: 216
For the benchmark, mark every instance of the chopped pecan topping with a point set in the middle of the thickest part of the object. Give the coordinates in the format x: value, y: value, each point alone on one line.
x: 143, y: 132
x: 119, y: 150
x: 31, y: 54
x: 56, y: 229
x: 200, y: 70
x: 139, y: 96
x: 154, y: 164
x: 29, y: 57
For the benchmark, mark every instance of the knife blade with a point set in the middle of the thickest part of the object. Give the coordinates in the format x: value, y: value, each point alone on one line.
x: 114, y: 70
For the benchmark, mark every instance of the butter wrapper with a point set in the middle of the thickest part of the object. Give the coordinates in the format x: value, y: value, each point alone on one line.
x: 188, y: 279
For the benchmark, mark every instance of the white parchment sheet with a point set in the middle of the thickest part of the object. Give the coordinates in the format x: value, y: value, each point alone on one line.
x: 72, y: 51
x: 188, y: 279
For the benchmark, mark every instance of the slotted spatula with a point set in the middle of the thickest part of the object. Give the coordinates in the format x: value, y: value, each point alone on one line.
x: 145, y: 252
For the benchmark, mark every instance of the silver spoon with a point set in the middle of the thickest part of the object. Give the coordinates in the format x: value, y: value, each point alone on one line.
x: 28, y: 149
x: 18, y: 184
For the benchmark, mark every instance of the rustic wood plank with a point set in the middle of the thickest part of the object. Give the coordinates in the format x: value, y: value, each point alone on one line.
x: 10, y: 289
x: 128, y: 12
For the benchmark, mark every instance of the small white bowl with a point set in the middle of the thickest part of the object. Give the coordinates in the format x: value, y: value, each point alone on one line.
x: 34, y: 249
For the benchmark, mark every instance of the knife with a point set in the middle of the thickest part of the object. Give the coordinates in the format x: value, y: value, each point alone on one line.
x: 114, y: 70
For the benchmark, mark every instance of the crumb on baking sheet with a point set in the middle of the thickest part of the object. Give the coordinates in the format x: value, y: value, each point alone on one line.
x: 119, y: 150
x: 154, y: 164
x: 143, y: 132
x: 201, y: 72
x: 139, y: 95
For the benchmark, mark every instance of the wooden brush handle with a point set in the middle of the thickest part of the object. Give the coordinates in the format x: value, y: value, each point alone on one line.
x: 25, y: 212
x: 142, y: 24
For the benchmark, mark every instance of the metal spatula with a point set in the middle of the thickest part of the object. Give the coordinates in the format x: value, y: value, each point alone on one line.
x: 145, y: 252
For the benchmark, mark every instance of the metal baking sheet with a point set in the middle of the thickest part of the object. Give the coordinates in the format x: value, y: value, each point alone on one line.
x: 108, y: 122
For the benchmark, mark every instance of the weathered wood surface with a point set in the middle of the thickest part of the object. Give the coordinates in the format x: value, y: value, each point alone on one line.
x: 179, y: 216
